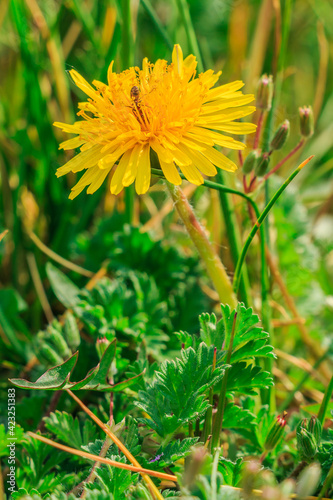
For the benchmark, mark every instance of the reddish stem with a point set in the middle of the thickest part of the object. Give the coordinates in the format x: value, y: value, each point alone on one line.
x: 245, y: 184
x: 240, y: 157
x: 286, y: 158
x: 252, y: 183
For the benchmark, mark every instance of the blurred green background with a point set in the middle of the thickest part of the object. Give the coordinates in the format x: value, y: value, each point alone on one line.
x: 40, y: 41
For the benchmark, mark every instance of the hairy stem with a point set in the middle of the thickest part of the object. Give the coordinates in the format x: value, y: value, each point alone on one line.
x: 214, y: 266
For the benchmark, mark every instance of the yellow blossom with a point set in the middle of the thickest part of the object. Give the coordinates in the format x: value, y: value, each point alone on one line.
x: 161, y: 107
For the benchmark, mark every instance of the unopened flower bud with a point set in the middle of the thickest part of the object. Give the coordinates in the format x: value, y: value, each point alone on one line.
x: 306, y: 121
x: 308, y: 481
x: 315, y: 427
x: 48, y: 355
x: 262, y: 164
x: 58, y: 341
x: 265, y: 92
x: 275, y: 432
x: 250, y: 161
x: 280, y: 136
x: 102, y: 344
x: 306, y: 444
x: 71, y: 331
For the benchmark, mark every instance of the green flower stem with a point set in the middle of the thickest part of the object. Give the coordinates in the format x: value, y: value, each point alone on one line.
x: 207, y: 430
x: 127, y: 42
x: 213, y: 264
x: 261, y: 218
x: 208, y: 418
x: 190, y: 33
x: 221, y: 404
x: 325, y: 401
x: 224, y: 189
x: 150, y: 11
x: 234, y: 241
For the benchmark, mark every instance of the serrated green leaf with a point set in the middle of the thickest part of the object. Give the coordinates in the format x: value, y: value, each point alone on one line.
x: 254, y: 348
x: 176, y: 394
x: 115, y: 480
x: 22, y: 494
x: 64, y: 289
x: 244, y: 379
x: 246, y: 327
x: 235, y: 417
x: 173, y: 451
x: 212, y: 332
x: 68, y: 429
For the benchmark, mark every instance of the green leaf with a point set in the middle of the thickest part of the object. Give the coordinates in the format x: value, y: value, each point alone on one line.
x: 103, y: 368
x: 22, y: 494
x: 54, y: 378
x: 98, y: 495
x: 249, y: 338
x: 177, y: 393
x: 231, y: 471
x: 59, y: 377
x: 173, y: 451
x: 254, y: 348
x: 236, y: 417
x: 243, y: 378
x: 64, y: 289
x: 246, y: 329
x: 115, y: 480
x: 6, y: 438
x: 42, y: 465
x: 68, y: 430
x: 212, y: 332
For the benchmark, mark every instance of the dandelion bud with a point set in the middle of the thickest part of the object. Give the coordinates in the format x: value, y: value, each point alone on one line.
x: 308, y: 481
x: 280, y: 136
x: 306, y: 444
x: 102, y: 344
x: 250, y: 161
x: 306, y: 121
x: 315, y: 428
x: 265, y: 92
x: 275, y: 432
x: 261, y: 166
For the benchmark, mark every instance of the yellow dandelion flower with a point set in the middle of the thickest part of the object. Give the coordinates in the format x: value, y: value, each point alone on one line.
x: 161, y: 107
